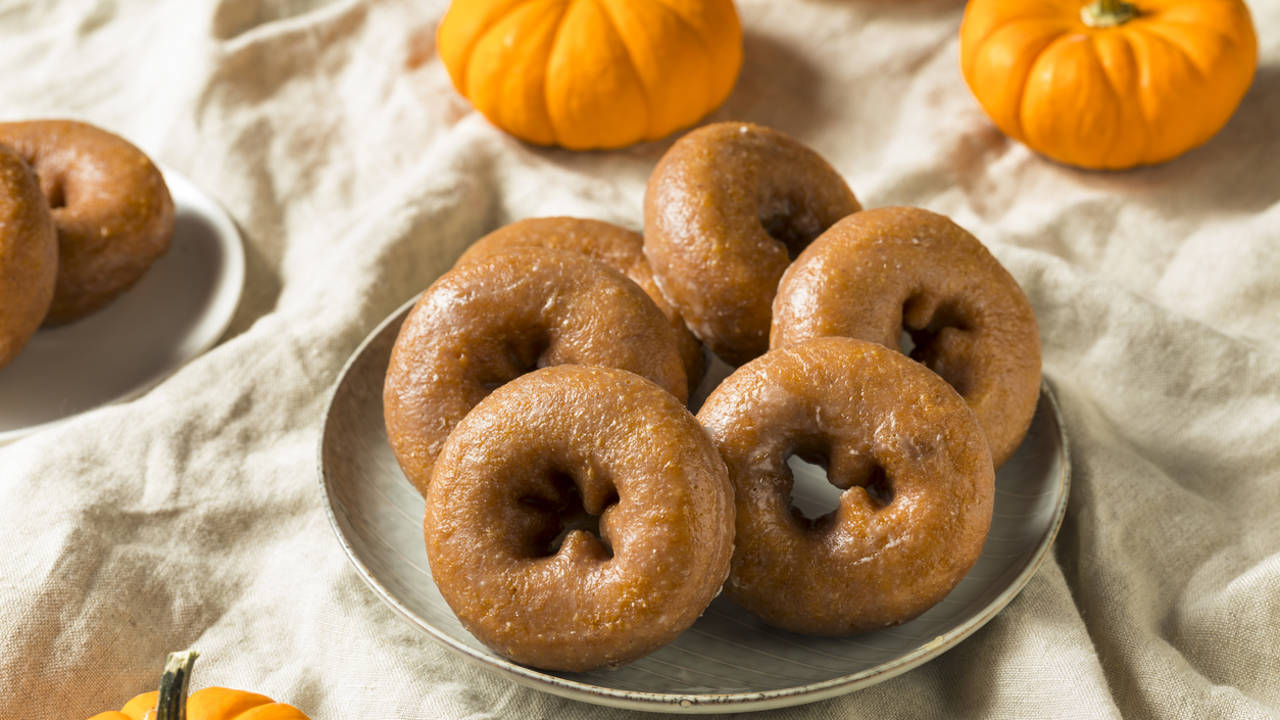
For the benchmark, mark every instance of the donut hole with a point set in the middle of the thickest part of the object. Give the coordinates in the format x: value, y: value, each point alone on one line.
x: 51, y: 183
x: 813, y: 496
x: 906, y: 343
x: 878, y: 487
x: 786, y: 221
x: 56, y: 194
x: 557, y: 509
x: 922, y: 329
x: 521, y: 353
x: 817, y: 483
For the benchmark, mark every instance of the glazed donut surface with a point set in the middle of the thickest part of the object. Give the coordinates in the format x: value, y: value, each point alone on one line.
x: 615, y: 246
x: 880, y: 272
x: 110, y: 204
x: 725, y: 210
x: 514, y: 494
x: 917, y: 478
x: 484, y: 323
x: 28, y: 255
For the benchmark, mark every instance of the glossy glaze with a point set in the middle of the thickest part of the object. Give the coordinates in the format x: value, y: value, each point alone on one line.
x: 520, y: 470
x: 880, y: 272
x: 725, y: 210
x: 110, y: 204
x: 909, y: 454
x: 615, y: 246
x: 28, y: 255
x: 487, y: 322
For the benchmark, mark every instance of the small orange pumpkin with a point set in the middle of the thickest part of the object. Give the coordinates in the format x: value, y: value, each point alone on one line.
x: 1107, y: 83
x: 170, y: 702
x: 588, y: 74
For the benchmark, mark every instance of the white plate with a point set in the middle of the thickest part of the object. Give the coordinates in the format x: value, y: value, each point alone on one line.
x: 728, y: 660
x: 177, y: 311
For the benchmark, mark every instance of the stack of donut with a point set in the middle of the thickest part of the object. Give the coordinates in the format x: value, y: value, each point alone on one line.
x: 83, y: 215
x: 578, y: 516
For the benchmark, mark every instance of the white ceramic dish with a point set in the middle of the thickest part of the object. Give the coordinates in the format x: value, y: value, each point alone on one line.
x: 177, y: 311
x: 728, y: 661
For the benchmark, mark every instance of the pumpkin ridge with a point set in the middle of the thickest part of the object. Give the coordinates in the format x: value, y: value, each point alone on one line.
x: 1147, y: 129
x: 479, y: 37
x: 981, y: 45
x: 475, y: 39
x: 546, y: 86
x: 606, y: 6
x: 696, y: 31
x: 1045, y: 17
x: 1019, y: 132
x: 1221, y: 34
x: 1148, y: 114
x: 1117, y: 94
x: 1201, y: 73
x: 1023, y: 110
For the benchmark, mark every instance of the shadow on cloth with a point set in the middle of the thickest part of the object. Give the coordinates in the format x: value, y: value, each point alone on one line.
x: 758, y: 97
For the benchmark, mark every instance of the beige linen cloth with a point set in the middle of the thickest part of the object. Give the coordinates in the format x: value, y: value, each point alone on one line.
x: 192, y: 516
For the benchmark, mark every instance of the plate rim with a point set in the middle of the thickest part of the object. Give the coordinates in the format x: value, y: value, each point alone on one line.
x: 695, y: 703
x: 227, y: 301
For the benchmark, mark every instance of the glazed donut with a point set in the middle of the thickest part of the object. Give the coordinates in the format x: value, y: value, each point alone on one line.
x: 908, y: 453
x: 518, y: 487
x: 725, y: 210
x: 110, y: 204
x: 884, y: 271
x: 28, y: 255
x: 485, y: 323
x: 617, y: 247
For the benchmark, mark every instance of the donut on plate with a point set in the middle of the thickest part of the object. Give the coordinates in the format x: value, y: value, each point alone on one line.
x: 725, y: 211
x: 577, y: 518
x: 908, y: 453
x: 617, y: 247
x: 110, y: 205
x: 28, y: 255
x: 881, y: 272
x: 483, y: 324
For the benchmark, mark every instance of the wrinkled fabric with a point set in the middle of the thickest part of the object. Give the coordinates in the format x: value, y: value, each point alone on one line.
x: 192, y: 516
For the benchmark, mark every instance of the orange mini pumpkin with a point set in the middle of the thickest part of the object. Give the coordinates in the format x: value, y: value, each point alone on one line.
x: 588, y: 74
x: 170, y: 702
x: 1109, y: 84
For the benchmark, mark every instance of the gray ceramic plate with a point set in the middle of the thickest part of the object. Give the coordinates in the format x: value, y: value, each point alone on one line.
x: 728, y: 660
x: 177, y: 311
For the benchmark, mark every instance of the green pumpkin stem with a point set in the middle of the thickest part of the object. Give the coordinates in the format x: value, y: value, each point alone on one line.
x: 1108, y: 13
x: 172, y: 703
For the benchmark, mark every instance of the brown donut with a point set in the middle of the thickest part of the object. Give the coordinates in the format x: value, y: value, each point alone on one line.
x: 110, y: 204
x: 485, y: 323
x: 617, y: 247
x: 541, y: 459
x: 909, y: 454
x: 880, y: 272
x: 725, y: 210
x: 28, y: 255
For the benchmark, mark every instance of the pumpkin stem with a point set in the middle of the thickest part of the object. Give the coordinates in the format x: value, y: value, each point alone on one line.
x: 1108, y: 13
x: 172, y: 703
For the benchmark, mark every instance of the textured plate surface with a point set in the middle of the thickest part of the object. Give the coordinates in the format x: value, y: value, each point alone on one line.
x: 728, y: 660
x: 177, y: 310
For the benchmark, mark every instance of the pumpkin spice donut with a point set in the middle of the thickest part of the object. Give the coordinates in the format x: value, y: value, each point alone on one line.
x: 484, y: 323
x: 529, y: 473
x: 881, y: 272
x: 617, y: 247
x: 28, y: 255
x: 725, y: 210
x: 908, y: 453
x: 110, y: 204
